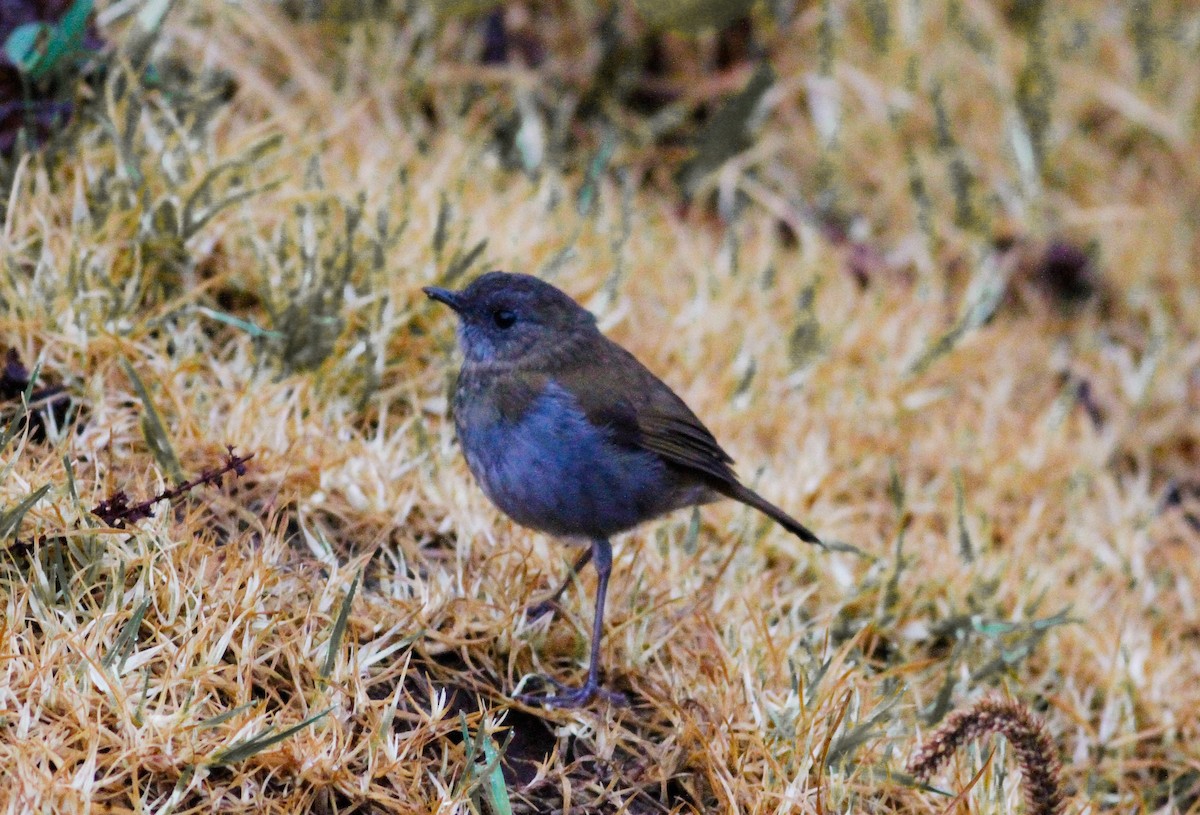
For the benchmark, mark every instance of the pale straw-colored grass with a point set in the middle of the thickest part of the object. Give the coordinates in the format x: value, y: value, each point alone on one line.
x: 767, y: 676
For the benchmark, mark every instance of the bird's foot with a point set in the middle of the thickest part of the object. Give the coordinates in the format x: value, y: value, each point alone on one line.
x: 568, y: 696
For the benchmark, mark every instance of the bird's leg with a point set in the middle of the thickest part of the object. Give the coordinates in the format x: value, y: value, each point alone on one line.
x: 550, y: 603
x: 567, y: 696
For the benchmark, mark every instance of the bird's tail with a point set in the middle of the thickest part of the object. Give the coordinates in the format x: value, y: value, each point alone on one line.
x: 740, y: 492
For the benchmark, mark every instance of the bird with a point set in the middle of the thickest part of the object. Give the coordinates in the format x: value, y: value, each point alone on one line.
x: 567, y: 433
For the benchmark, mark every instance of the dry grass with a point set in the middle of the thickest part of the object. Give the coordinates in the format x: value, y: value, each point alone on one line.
x: 1015, y: 482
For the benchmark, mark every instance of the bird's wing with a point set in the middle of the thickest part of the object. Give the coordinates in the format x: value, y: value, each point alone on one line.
x: 686, y: 443
x: 618, y: 393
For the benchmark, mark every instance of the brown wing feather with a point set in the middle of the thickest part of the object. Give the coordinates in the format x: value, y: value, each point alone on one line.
x: 617, y: 392
x: 677, y: 441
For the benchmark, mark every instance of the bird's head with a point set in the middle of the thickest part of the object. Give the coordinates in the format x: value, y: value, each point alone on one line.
x: 509, y: 318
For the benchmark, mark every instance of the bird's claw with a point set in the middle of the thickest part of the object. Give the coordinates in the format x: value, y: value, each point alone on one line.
x: 568, y: 696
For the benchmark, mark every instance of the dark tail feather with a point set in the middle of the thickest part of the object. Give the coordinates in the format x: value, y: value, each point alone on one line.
x: 749, y: 497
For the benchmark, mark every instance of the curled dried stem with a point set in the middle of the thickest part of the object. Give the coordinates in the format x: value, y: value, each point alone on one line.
x: 1035, y: 751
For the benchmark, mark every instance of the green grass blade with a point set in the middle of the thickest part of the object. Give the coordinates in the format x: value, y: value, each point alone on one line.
x: 153, y: 429
x: 248, y: 327
x: 10, y: 520
x: 213, y: 721
x: 339, y: 629
x: 495, y: 792
x: 125, y: 640
x: 267, y: 738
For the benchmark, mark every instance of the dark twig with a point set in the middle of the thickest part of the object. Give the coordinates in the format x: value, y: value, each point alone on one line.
x: 14, y: 381
x: 116, y: 511
x: 1176, y: 496
x: 1013, y: 720
x: 15, y: 386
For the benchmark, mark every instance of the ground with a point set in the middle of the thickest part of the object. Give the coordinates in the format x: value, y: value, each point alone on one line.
x: 932, y: 279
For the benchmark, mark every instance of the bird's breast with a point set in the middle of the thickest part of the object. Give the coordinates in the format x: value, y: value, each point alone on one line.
x: 548, y: 467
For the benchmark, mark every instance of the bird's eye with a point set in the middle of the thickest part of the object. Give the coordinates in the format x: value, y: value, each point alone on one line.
x: 503, y: 318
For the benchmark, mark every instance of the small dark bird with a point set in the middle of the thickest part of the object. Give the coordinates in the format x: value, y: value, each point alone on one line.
x: 569, y: 434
